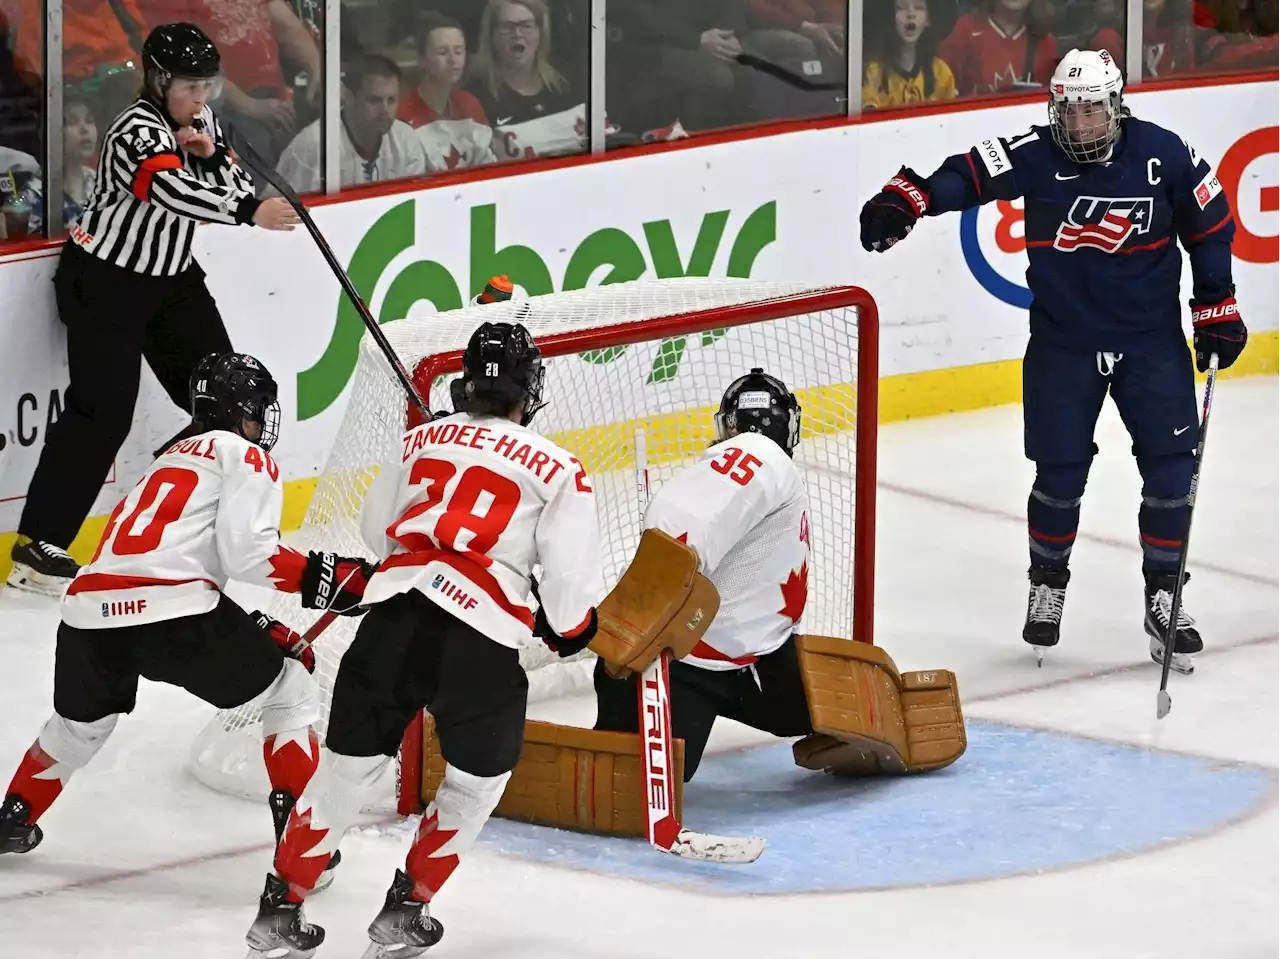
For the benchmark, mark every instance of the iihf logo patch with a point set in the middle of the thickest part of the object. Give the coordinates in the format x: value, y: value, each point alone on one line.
x: 438, y: 581
x: 1104, y: 223
x: 105, y: 612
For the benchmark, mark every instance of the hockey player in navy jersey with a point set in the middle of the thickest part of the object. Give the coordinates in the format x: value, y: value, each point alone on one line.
x: 1108, y: 199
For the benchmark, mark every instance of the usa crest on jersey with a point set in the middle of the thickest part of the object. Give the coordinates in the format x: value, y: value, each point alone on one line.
x: 1104, y: 223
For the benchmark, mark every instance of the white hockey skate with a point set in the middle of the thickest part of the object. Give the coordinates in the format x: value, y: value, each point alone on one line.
x: 1159, y: 601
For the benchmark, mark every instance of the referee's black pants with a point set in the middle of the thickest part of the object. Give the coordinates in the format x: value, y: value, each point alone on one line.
x: 114, y: 317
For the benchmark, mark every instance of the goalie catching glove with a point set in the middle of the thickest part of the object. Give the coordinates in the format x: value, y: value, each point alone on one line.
x: 661, y: 602
x: 335, y: 583
x: 290, y: 641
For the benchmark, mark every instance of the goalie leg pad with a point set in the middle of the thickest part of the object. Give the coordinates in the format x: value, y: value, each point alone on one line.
x: 661, y: 602
x: 581, y: 779
x: 869, y: 719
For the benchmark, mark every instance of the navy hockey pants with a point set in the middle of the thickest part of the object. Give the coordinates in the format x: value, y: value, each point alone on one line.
x: 1063, y: 388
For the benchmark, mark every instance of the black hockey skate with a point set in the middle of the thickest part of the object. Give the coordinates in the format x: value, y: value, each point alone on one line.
x: 404, y: 929
x: 41, y: 567
x: 282, y: 804
x: 1044, y: 608
x: 1159, y: 603
x: 15, y: 834
x: 280, y: 931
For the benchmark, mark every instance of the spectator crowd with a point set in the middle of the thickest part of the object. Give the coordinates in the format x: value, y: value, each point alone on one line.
x: 440, y: 85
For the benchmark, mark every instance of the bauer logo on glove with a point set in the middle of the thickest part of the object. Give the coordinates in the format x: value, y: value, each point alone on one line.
x: 335, y: 583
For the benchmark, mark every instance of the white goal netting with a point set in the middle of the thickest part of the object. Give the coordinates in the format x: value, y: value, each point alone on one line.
x: 649, y: 355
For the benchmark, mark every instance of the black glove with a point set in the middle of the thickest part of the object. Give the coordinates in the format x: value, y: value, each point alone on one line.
x: 1218, y: 329
x: 564, y: 646
x: 289, y: 641
x: 335, y: 582
x: 892, y: 213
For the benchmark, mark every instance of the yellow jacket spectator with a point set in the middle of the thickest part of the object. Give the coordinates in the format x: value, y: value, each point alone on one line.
x: 902, y: 66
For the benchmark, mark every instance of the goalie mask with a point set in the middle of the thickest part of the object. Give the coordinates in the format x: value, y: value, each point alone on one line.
x: 759, y: 403
x: 504, y: 363
x: 1085, y: 107
x: 234, y: 392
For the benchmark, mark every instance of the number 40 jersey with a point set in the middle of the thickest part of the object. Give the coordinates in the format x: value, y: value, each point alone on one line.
x: 466, y: 510
x: 206, y: 511
x: 743, y: 508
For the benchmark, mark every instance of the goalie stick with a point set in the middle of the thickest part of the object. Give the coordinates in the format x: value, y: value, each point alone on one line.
x: 1163, y: 701
x: 261, y: 168
x: 665, y: 832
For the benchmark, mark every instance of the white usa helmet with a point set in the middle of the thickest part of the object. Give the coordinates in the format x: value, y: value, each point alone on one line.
x: 1085, y: 107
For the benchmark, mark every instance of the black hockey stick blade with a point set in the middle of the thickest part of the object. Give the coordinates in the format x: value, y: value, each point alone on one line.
x: 789, y: 77
x: 1164, y: 702
x: 259, y: 167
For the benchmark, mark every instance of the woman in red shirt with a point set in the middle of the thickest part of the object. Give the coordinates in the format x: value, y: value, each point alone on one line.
x: 1001, y: 45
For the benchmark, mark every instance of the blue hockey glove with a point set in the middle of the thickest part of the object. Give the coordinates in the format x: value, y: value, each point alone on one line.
x: 892, y: 213
x: 1218, y: 329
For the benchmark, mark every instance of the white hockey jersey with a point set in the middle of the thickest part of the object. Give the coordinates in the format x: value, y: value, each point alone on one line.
x: 744, y: 509
x: 207, y: 510
x: 400, y: 156
x: 468, y: 509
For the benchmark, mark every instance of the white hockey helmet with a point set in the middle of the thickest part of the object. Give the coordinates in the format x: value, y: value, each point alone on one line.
x: 1085, y: 105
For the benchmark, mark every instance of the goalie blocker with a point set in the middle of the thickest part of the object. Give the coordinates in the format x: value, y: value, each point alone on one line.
x: 867, y: 719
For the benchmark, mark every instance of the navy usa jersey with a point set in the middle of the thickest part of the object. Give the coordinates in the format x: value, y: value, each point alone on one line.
x: 1102, y: 238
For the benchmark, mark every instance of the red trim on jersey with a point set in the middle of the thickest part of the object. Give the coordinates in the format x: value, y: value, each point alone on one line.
x: 973, y: 172
x: 577, y: 630
x: 105, y: 582
x: 1146, y: 247
x: 473, y: 571
x: 1213, y: 229
x: 703, y: 651
x: 148, y: 168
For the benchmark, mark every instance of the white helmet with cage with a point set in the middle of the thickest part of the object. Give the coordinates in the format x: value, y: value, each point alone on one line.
x: 1085, y: 105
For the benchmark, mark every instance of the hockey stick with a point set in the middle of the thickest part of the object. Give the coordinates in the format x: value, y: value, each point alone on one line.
x: 656, y: 758
x: 787, y: 76
x: 1163, y: 702
x: 263, y: 169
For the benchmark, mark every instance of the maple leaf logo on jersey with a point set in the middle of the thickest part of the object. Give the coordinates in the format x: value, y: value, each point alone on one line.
x: 1104, y: 223
x: 795, y: 593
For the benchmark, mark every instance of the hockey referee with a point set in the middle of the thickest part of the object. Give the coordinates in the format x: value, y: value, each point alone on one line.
x: 128, y: 288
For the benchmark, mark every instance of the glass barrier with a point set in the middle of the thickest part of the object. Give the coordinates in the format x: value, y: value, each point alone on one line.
x: 676, y: 68
x: 21, y: 118
x: 1182, y: 38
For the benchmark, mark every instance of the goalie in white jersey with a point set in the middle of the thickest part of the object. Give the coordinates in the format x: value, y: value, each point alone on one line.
x: 470, y: 503
x: 151, y: 602
x: 743, y: 508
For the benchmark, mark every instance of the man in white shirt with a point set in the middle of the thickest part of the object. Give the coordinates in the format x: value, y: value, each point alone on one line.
x: 373, y: 145
x: 743, y: 508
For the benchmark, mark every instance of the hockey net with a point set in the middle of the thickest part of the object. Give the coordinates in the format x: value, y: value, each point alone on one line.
x: 652, y: 356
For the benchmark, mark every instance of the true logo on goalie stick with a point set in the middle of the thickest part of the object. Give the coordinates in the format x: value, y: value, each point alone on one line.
x: 1104, y: 223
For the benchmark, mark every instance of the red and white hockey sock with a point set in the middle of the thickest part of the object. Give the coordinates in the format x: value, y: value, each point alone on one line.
x: 62, y: 747
x: 323, y: 813
x: 291, y: 759
x: 450, y: 826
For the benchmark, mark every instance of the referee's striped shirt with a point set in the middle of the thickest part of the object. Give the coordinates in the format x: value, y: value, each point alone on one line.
x: 151, y: 195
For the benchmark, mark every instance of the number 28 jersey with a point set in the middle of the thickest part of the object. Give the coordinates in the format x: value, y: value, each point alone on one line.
x: 743, y: 508
x: 206, y: 511
x: 469, y: 507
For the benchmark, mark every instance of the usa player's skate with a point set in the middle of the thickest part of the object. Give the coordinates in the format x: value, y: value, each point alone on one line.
x: 40, y: 567
x: 280, y: 931
x: 1047, y: 593
x: 1159, y: 602
x: 282, y: 803
x: 405, y: 928
x: 15, y: 834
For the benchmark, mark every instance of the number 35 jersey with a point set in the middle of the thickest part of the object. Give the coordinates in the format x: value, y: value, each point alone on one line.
x: 207, y: 510
x: 744, y: 509
x: 464, y: 513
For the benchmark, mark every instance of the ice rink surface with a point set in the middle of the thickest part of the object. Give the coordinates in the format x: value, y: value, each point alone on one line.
x: 1075, y: 826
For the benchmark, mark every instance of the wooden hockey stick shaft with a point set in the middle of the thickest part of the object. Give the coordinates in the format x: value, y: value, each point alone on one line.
x: 1164, y: 702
